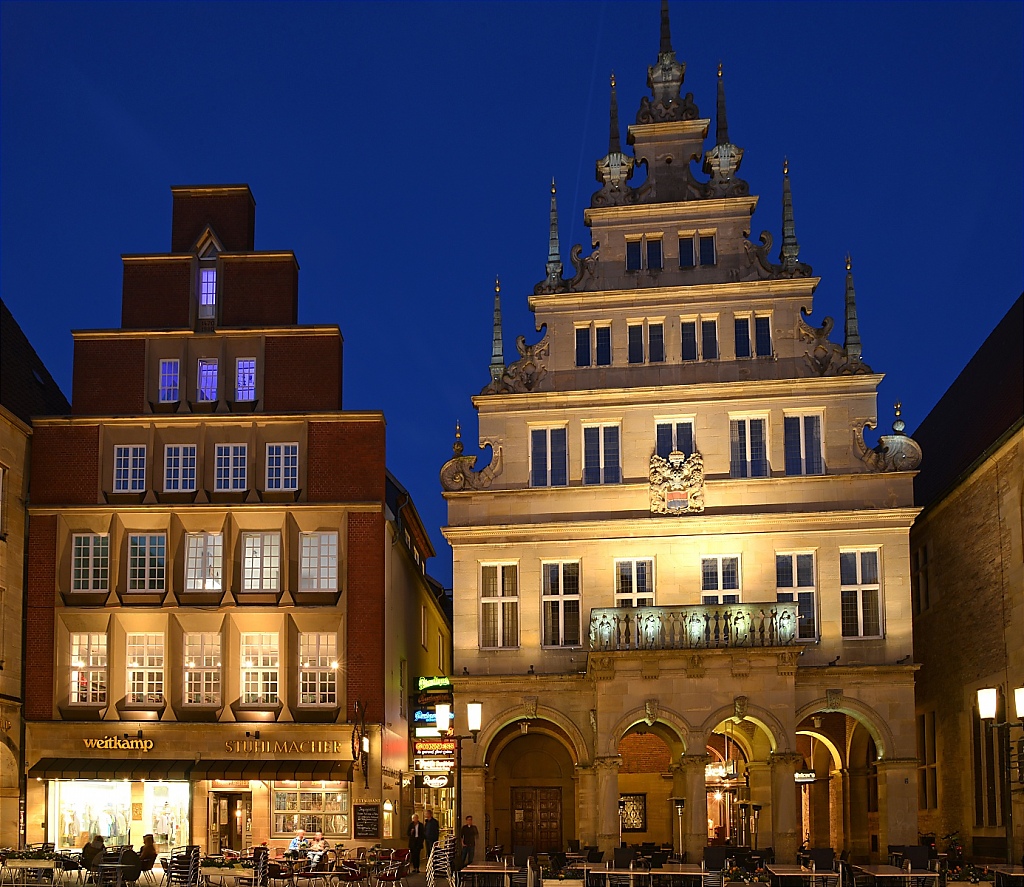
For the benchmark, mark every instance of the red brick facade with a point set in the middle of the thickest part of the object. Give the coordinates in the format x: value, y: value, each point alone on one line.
x: 109, y: 377
x: 39, y: 639
x: 366, y: 618
x: 156, y: 293
x: 259, y: 290
x: 230, y: 212
x: 65, y: 465
x: 302, y: 373
x: 346, y: 461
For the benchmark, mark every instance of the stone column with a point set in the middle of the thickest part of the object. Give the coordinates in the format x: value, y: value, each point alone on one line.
x: 857, y: 795
x: 474, y: 795
x: 785, y: 818
x: 897, y: 801
x: 838, y: 810
x: 695, y: 814
x: 586, y: 807
x: 761, y: 793
x: 607, y: 802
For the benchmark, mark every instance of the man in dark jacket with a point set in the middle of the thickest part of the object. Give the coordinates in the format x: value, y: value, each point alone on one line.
x: 415, y: 833
x: 431, y: 830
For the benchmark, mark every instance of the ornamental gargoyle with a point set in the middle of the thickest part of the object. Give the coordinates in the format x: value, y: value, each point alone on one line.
x: 677, y: 483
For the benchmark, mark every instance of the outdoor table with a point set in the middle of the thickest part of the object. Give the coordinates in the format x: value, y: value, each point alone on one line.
x: 882, y: 873
x: 219, y: 873
x: 680, y: 873
x: 606, y: 874
x: 781, y: 873
x: 487, y: 873
x: 27, y: 865
x: 1008, y: 875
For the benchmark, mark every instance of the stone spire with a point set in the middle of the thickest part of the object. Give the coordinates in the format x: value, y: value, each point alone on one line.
x: 615, y: 168
x: 665, y: 79
x: 789, y: 255
x: 497, y: 352
x: 722, y: 161
x: 614, y: 142
x: 554, y: 265
x: 851, y: 338
x: 722, y: 131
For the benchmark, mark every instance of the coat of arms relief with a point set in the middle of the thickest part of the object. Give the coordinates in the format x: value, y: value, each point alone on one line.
x: 677, y: 483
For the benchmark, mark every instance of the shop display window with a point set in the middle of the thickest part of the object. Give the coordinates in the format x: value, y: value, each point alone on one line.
x: 122, y: 812
x: 312, y: 806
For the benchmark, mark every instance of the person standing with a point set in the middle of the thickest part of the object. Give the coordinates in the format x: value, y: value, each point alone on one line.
x: 431, y: 831
x: 415, y: 833
x: 468, y: 836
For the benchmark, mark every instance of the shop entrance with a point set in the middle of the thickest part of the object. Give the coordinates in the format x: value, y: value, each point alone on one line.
x: 230, y: 820
x: 537, y: 818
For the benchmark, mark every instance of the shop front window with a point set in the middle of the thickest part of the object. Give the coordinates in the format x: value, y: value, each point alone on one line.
x: 312, y: 806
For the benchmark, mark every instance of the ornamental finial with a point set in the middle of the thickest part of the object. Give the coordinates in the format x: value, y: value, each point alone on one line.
x: 457, y: 446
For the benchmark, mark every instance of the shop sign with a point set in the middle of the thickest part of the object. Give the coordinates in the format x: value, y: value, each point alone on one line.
x: 434, y: 780
x: 428, y: 716
x: 425, y: 700
x: 805, y: 776
x: 425, y: 732
x: 433, y: 765
x: 720, y: 770
x: 437, y: 683
x: 116, y: 743
x: 303, y: 747
x: 434, y: 748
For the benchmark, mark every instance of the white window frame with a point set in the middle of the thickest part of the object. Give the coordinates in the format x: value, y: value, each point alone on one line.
x: 147, y: 561
x: 505, y: 607
x: 207, y: 367
x: 802, y: 416
x: 261, y: 561
x: 129, y: 468
x: 318, y: 561
x: 554, y: 598
x: 283, y: 465
x: 718, y: 593
x: 860, y: 590
x: 208, y: 292
x: 144, y: 666
x: 792, y: 593
x: 245, y: 385
x: 203, y: 683
x: 90, y: 562
x: 603, y: 463
x: 204, y: 561
x: 633, y: 597
x: 549, y: 465
x: 747, y: 418
x: 170, y: 381
x: 260, y: 663
x: 179, y: 468
x: 88, y: 668
x: 231, y: 467
x: 318, y: 669
x: 673, y: 423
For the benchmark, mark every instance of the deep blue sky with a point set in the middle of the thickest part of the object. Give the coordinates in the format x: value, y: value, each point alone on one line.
x: 404, y: 152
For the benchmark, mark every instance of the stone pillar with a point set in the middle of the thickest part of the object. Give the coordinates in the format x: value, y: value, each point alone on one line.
x: 761, y: 793
x: 897, y: 801
x: 838, y: 810
x: 607, y: 802
x: 695, y: 814
x: 785, y: 818
x: 857, y: 797
x: 474, y: 795
x: 587, y: 807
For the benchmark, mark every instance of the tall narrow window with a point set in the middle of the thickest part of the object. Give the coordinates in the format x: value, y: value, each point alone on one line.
x: 748, y: 448
x: 147, y: 562
x: 318, y: 668
x: 720, y: 579
x: 803, y: 445
x: 709, y: 339
x: 90, y: 566
x: 861, y: 607
x: 403, y: 688
x: 635, y: 342
x: 261, y: 565
x: 179, y: 468
x: 634, y: 583
x: 318, y: 554
x: 549, y: 465
x: 207, y: 293
x: 88, y: 668
x: 742, y: 325
x: 169, y: 381
x: 145, y: 661
x: 920, y: 583
x: 231, y: 464
x: 763, y: 336
x: 202, y: 668
x: 708, y: 255
x: 656, y: 342
x: 689, y: 331
x: 204, y: 559
x: 634, y: 250
x: 927, y: 770
x: 601, y: 454
x: 697, y: 249
x: 583, y: 346
x: 245, y: 379
x: 561, y: 602
x: 499, y: 605
x: 206, y: 389
x: 282, y: 466
x: 259, y: 668
x: 676, y: 436
x: 129, y: 469
x: 794, y: 582
x: 687, y: 256
x: 603, y: 339
x: 654, y: 256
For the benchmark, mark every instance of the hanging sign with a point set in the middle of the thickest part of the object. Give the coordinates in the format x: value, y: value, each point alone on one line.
x: 805, y: 776
x: 434, y: 748
x: 437, y: 683
x: 433, y: 765
x: 434, y: 780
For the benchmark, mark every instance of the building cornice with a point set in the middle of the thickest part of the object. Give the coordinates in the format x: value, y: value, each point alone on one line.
x: 206, y: 508
x: 677, y: 213
x: 118, y: 333
x: 213, y: 418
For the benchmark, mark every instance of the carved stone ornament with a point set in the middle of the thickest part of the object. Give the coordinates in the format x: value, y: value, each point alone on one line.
x: 529, y: 706
x: 833, y: 700
x: 695, y: 667
x: 677, y: 483
x: 739, y: 708
x: 650, y: 712
x: 526, y: 373
x: 895, y: 452
x: 763, y: 268
x: 593, y: 721
x: 586, y: 269
x: 664, y: 111
x: 825, y: 358
x: 457, y: 473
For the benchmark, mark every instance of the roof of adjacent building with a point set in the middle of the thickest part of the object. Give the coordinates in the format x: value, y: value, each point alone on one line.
x: 26, y: 387
x: 984, y: 402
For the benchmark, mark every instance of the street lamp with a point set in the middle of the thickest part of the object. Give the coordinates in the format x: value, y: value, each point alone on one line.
x: 474, y: 717
x: 988, y: 706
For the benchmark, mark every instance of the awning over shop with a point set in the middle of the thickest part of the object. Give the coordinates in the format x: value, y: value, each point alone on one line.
x: 108, y: 768
x: 301, y: 770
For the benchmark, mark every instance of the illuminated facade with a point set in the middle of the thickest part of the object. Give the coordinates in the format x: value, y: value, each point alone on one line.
x: 684, y: 575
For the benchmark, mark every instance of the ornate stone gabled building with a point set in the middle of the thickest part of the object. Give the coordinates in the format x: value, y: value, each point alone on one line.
x: 684, y: 574
x: 227, y: 601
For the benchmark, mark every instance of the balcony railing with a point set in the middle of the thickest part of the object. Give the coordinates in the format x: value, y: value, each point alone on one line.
x: 700, y: 627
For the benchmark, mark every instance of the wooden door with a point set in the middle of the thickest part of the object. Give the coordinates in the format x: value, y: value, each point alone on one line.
x: 537, y: 819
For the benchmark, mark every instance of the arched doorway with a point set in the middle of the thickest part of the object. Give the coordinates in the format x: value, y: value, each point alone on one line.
x: 645, y: 787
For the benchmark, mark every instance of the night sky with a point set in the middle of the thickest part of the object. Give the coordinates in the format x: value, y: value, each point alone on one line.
x: 405, y: 151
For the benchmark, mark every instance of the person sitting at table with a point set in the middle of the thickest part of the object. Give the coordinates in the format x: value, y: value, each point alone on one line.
x: 316, y: 849
x: 298, y: 842
x: 92, y: 852
x: 147, y: 851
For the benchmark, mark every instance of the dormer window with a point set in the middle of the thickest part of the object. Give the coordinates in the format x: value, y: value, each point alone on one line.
x: 207, y: 293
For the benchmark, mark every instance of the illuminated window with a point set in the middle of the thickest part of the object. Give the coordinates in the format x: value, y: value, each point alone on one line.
x: 206, y: 389
x: 318, y: 668
x: 204, y: 557
x: 129, y: 469
x: 261, y: 570
x: 147, y: 562
x: 259, y: 669
x: 634, y: 583
x: 861, y: 592
x: 794, y: 581
x: 561, y: 602
x: 179, y: 468
x: 720, y: 579
x: 245, y: 379
x: 231, y: 463
x: 282, y: 466
x: 499, y: 605
x: 208, y: 293
x: 168, y: 381
x: 202, y: 668
x: 319, y: 561
x: 145, y: 659
x: 88, y: 669
x: 90, y: 567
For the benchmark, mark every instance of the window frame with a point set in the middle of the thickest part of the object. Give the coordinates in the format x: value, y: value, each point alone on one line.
x: 245, y: 393
x: 559, y: 599
x: 859, y: 589
x: 643, y: 244
x: 147, y: 562
x: 176, y: 476
x: 595, y: 332
x: 316, y: 570
x: 282, y: 469
x: 266, y: 558
x: 130, y: 477
x: 695, y: 252
x: 805, y: 459
x: 501, y: 603
x: 262, y: 673
x: 207, y: 368
x: 921, y: 578
x: 634, y: 599
x: 208, y: 291
x: 749, y: 463
x: 721, y: 594
x: 204, y: 562
x: 319, y: 678
x: 164, y: 387
x: 204, y: 679
x: 646, y: 351
x: 92, y: 565
x: 804, y: 596
x: 698, y: 323
x: 549, y: 468
x: 231, y: 467
x: 603, y: 465
x: 673, y: 423
x: 145, y: 656
x: 94, y: 668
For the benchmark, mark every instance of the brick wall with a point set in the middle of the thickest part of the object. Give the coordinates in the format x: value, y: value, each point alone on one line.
x: 156, y: 293
x: 109, y: 377
x: 230, y: 212
x: 345, y: 462
x: 65, y: 465
x: 644, y: 753
x: 259, y: 290
x: 39, y: 636
x: 365, y: 590
x: 302, y: 373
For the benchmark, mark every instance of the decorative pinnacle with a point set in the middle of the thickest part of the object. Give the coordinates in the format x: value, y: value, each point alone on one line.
x: 614, y: 143
x: 457, y: 446
x: 851, y: 339
x: 554, y: 265
x: 722, y: 131
x: 899, y: 425
x: 666, y: 31
x: 497, y: 353
x: 789, y: 254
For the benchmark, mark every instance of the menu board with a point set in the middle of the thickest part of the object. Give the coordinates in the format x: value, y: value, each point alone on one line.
x: 367, y: 817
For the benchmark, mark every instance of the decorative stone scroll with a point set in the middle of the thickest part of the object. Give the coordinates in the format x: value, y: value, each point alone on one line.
x: 527, y: 372
x: 677, y: 483
x: 763, y: 268
x: 895, y: 452
x: 529, y: 706
x: 826, y: 358
x: 457, y: 473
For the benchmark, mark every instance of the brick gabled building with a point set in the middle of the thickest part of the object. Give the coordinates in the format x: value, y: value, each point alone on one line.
x: 226, y: 585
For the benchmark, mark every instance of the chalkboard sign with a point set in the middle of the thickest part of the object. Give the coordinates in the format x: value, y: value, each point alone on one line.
x: 367, y: 818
